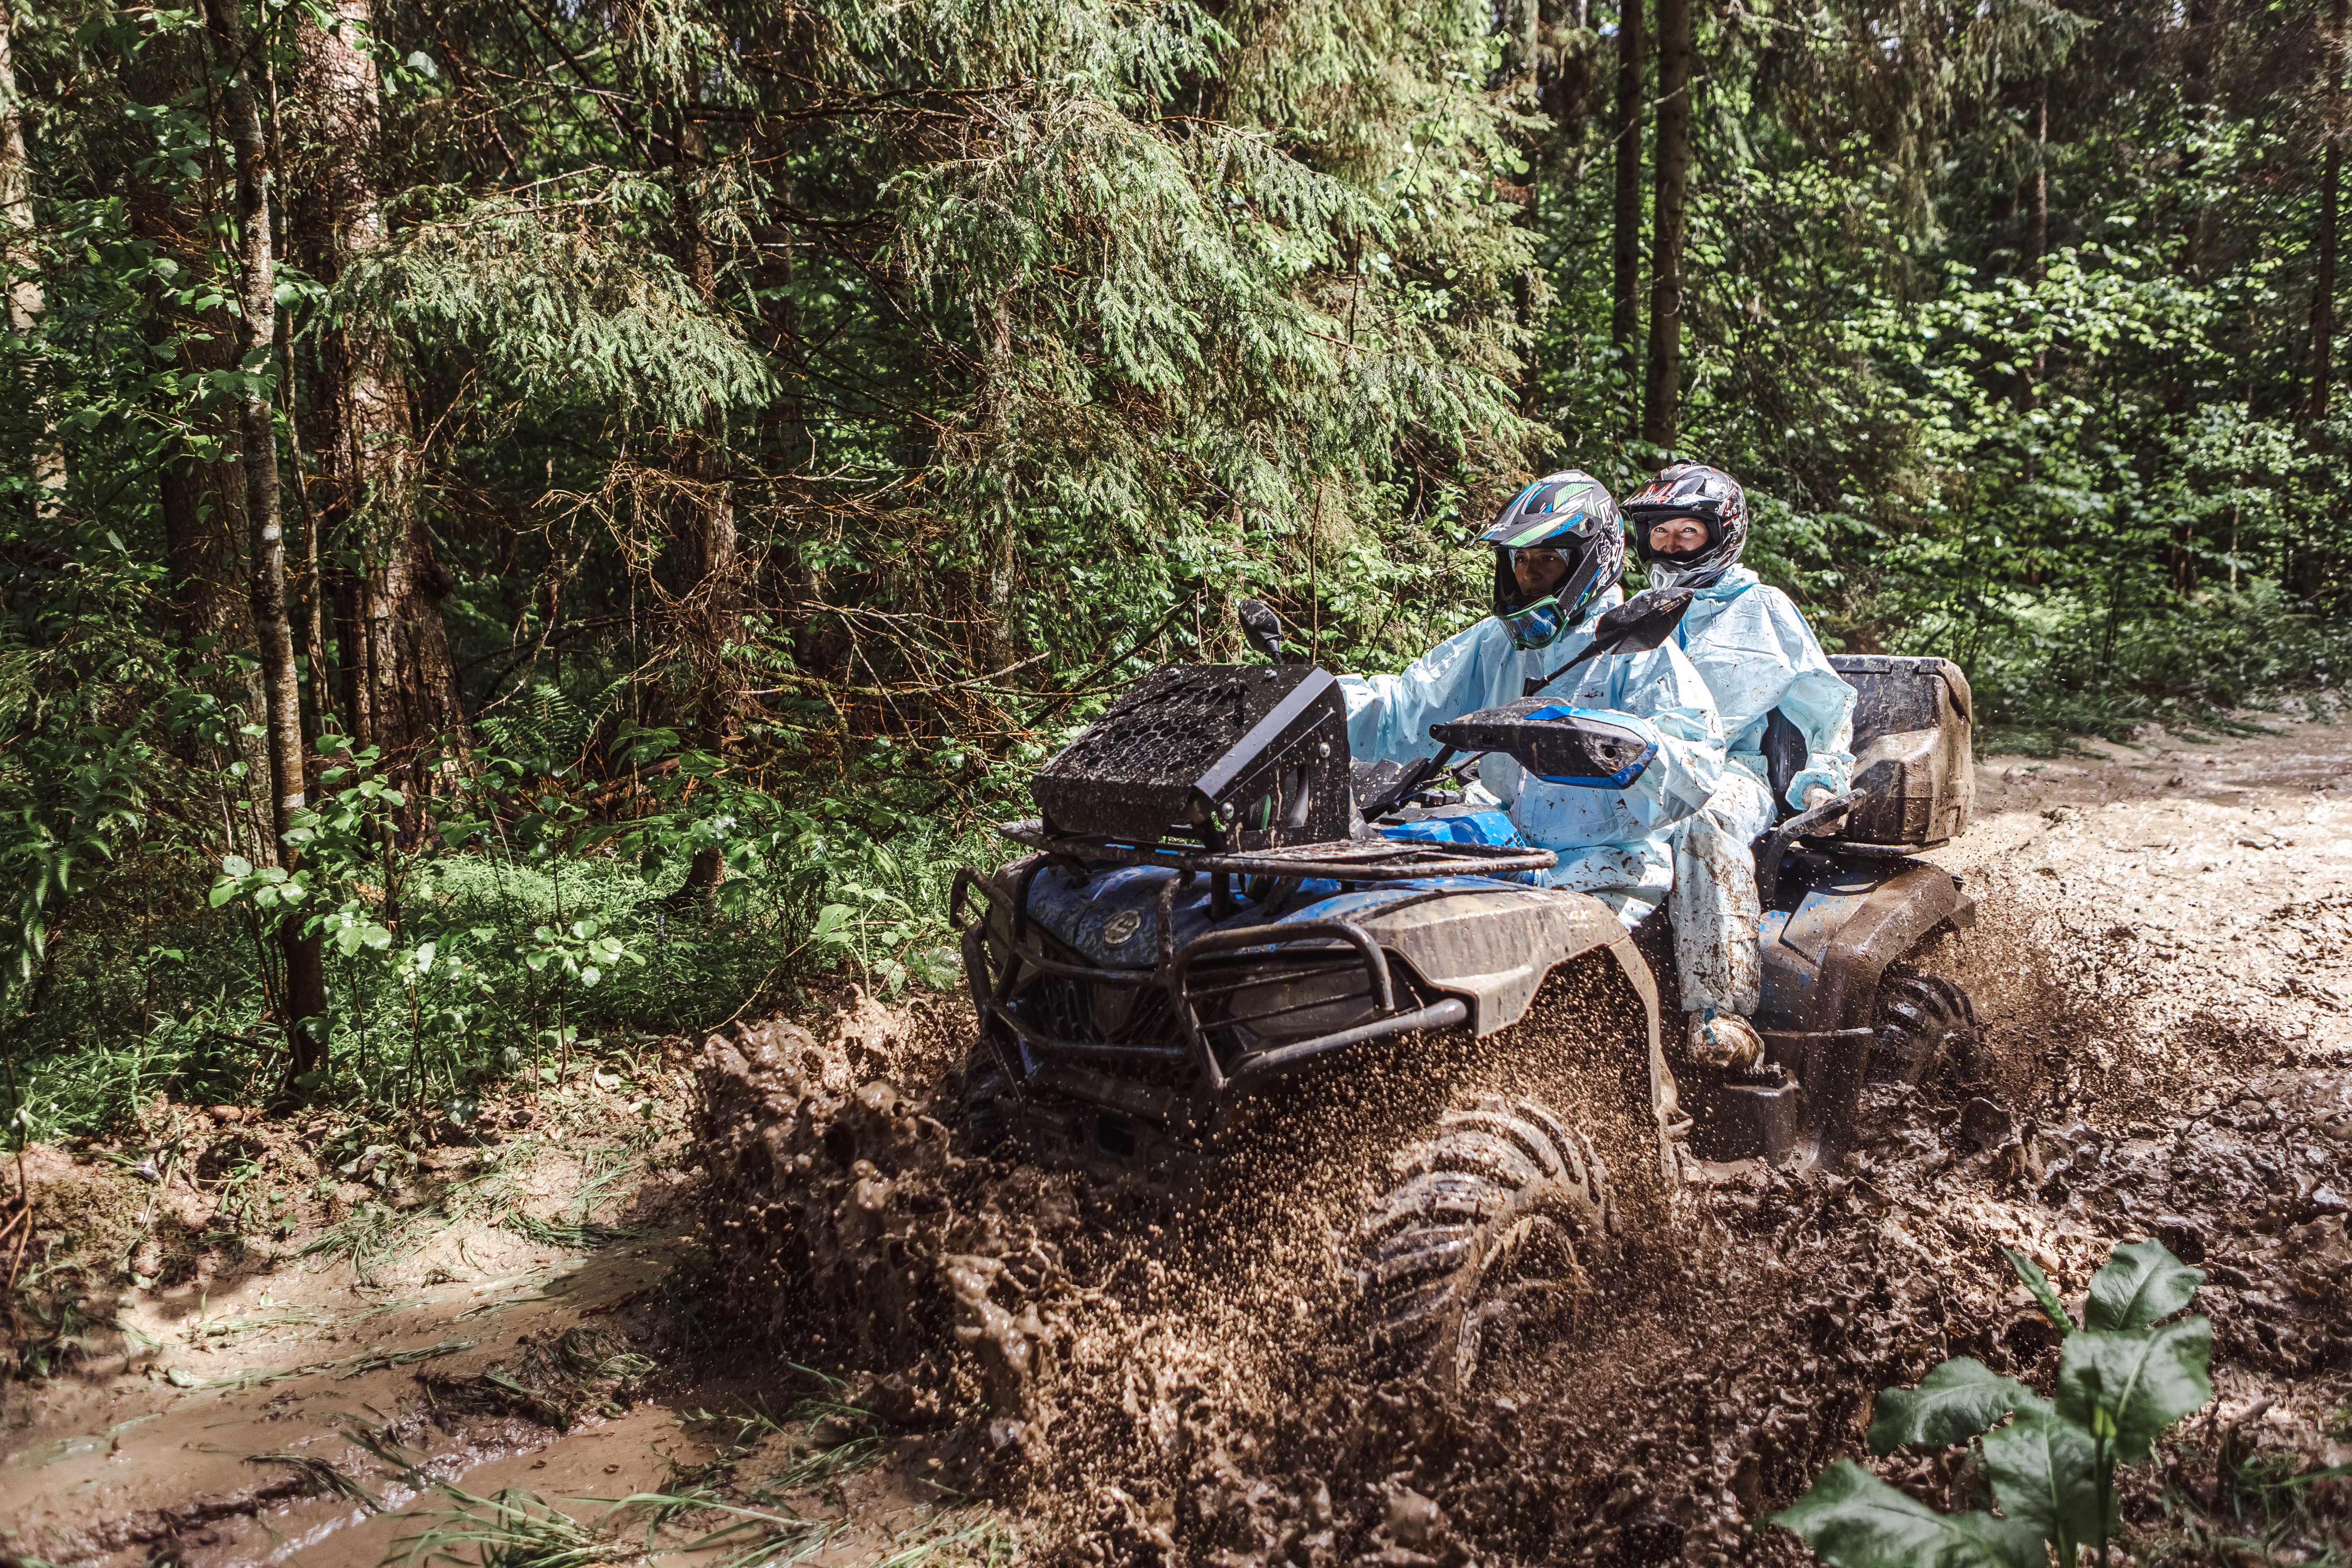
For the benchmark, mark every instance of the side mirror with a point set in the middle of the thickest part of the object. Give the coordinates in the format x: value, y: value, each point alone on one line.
x: 1263, y: 627
x: 1642, y: 623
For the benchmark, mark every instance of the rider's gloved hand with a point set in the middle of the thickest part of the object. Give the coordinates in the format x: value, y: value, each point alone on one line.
x: 1815, y: 794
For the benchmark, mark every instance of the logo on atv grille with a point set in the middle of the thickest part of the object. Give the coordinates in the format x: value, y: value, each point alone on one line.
x: 1122, y: 926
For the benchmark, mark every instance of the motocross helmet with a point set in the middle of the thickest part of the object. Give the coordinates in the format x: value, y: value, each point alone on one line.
x: 1690, y: 489
x: 1573, y: 513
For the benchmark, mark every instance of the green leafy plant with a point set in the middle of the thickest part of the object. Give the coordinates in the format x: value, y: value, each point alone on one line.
x: 2122, y: 1380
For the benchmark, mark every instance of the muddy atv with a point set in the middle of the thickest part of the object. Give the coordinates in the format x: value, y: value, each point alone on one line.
x: 1205, y: 937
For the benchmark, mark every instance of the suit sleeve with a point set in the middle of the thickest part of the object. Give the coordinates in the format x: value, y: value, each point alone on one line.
x: 1663, y: 690
x: 1818, y: 701
x: 1389, y: 716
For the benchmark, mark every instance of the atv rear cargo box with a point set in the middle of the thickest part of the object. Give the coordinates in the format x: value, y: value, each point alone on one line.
x: 1914, y: 778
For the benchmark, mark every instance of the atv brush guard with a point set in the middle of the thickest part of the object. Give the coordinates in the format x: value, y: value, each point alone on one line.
x: 1236, y: 1005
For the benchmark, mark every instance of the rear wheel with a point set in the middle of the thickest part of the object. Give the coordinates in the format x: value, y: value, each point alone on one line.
x: 1926, y: 1022
x: 1484, y: 1226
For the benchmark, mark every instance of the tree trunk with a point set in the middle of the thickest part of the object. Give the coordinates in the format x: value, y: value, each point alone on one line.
x: 26, y: 301
x: 202, y: 503
x: 306, y: 988
x: 2037, y: 234
x: 399, y: 679
x: 1625, y: 296
x: 711, y: 622
x: 1661, y: 399
x: 2323, y: 288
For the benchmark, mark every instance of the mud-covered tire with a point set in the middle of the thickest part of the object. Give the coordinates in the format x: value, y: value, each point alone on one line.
x: 986, y: 1087
x: 1437, y: 1250
x: 1925, y: 1023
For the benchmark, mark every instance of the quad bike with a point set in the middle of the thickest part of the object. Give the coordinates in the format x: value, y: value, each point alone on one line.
x: 1206, y: 934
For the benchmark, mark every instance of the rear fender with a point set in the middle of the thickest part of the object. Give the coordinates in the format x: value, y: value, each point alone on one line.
x: 1821, y: 969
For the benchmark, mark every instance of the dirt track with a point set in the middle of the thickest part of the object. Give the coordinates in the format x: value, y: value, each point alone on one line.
x: 2162, y: 961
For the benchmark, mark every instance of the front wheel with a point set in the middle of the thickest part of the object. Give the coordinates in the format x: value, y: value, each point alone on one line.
x: 985, y: 1088
x: 1483, y: 1225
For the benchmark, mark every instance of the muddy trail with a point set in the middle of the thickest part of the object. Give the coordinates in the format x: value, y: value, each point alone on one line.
x: 788, y: 1315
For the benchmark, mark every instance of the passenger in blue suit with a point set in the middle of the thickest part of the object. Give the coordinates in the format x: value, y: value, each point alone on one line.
x: 1756, y: 653
x: 1558, y: 547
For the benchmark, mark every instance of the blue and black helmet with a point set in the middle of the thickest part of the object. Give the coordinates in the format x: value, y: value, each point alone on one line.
x: 1570, y: 513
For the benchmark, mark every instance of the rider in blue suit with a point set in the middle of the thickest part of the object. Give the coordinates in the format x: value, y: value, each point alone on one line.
x: 1559, y: 545
x: 1756, y: 653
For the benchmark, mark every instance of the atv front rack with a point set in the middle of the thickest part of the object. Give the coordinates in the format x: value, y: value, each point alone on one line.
x: 1347, y: 861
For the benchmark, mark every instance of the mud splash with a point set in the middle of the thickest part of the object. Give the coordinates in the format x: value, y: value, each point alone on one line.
x: 2164, y: 964
x: 2167, y: 1055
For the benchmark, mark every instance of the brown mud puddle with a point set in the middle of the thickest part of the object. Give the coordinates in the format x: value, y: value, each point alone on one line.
x: 2164, y: 964
x: 479, y: 1363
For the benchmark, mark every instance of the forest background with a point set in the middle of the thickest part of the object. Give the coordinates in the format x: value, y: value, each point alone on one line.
x: 527, y: 528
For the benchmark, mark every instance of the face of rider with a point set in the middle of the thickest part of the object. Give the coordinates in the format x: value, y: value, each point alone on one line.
x: 1675, y: 535
x: 1538, y: 570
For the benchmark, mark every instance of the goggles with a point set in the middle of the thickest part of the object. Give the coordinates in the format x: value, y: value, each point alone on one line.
x: 1535, y: 626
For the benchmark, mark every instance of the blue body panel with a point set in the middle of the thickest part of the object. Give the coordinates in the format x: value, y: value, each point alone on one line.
x: 1113, y: 917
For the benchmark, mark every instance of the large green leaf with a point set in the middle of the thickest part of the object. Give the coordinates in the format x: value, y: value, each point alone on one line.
x: 1956, y: 1400
x: 2044, y: 1471
x: 2126, y: 1387
x: 2140, y: 1283
x: 2039, y: 1283
x: 1853, y: 1520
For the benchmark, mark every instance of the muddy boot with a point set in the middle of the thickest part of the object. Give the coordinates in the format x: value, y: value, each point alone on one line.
x: 1724, y: 1040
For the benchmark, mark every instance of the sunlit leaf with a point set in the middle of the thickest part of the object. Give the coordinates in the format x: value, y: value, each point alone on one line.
x: 2141, y: 1282
x: 1853, y: 1520
x: 1953, y: 1403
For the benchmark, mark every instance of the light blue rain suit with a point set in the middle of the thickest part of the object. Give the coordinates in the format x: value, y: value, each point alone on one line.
x: 1612, y: 844
x: 1754, y: 650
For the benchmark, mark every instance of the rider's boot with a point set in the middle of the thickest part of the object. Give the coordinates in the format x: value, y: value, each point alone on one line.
x: 1724, y: 1040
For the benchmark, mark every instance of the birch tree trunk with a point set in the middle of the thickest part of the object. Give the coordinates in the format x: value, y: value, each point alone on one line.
x: 306, y: 989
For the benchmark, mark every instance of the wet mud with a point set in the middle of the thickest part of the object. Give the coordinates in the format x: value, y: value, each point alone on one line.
x: 967, y: 1357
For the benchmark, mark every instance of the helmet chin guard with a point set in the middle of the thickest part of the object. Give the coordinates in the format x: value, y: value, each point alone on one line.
x: 1572, y: 512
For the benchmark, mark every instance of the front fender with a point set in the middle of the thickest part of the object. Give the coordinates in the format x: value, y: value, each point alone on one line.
x: 1496, y: 948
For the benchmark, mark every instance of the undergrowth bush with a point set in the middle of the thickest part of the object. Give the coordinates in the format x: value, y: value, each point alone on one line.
x: 2049, y: 667
x: 508, y: 930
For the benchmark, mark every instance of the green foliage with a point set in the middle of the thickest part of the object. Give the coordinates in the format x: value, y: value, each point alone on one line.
x: 2141, y: 1284
x: 1850, y: 1517
x: 1952, y: 1404
x: 1011, y: 345
x: 559, y: 310
x: 2121, y: 1381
